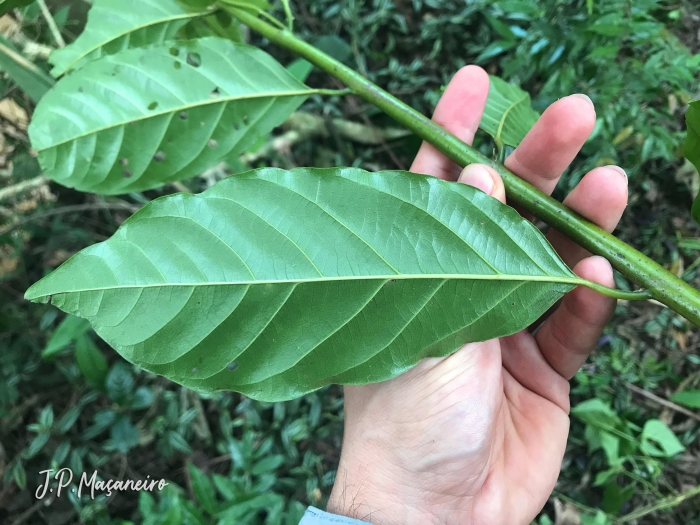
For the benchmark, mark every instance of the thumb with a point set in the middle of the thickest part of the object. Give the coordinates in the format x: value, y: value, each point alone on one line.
x: 484, y: 178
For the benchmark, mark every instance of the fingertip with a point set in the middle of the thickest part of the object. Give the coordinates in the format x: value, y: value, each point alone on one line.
x: 473, y: 73
x: 583, y: 107
x: 553, y: 142
x: 597, y: 269
x: 484, y: 178
x: 478, y: 176
x: 585, y: 98
x: 586, y: 304
x: 620, y: 171
x: 601, y: 196
x: 573, y: 117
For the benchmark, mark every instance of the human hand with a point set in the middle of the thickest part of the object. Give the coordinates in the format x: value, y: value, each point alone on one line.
x: 478, y: 437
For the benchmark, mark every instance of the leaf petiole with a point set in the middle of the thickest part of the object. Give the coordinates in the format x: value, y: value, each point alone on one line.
x: 615, y: 293
x: 332, y: 92
x: 251, y: 8
x: 288, y: 14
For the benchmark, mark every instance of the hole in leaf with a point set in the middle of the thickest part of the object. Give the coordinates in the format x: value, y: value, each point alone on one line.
x: 153, y: 105
x: 127, y: 173
x: 194, y: 59
x: 245, y: 119
x: 232, y: 366
x: 183, y: 115
x: 177, y: 65
x: 212, y: 143
x: 159, y: 156
x: 124, y: 161
x: 236, y: 127
x: 174, y: 51
x: 214, y: 93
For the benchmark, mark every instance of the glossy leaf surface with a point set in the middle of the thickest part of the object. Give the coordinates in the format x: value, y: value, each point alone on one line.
x: 508, y: 115
x: 275, y: 283
x: 115, y: 25
x: 144, y: 117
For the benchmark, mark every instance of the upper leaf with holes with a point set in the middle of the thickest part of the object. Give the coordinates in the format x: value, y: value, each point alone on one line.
x: 144, y: 117
x: 115, y: 25
x: 275, y: 283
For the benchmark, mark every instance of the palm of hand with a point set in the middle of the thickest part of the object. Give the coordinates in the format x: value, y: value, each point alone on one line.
x: 478, y: 437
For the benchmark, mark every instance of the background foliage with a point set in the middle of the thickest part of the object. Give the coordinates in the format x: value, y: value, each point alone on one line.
x: 68, y: 400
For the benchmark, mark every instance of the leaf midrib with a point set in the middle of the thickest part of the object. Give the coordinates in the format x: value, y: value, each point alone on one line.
x: 390, y: 277
x: 218, y: 100
x: 505, y: 115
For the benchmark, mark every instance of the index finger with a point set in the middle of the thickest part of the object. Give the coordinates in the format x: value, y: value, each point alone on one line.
x: 459, y: 112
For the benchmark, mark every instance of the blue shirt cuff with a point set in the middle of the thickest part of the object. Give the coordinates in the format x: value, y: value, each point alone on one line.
x: 314, y: 516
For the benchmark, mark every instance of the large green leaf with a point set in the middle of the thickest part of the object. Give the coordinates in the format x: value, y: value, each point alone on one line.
x: 115, y: 25
x: 275, y: 283
x: 508, y: 115
x: 691, y: 148
x: 143, y: 117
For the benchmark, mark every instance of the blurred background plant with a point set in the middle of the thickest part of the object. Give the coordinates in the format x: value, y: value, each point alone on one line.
x: 67, y: 400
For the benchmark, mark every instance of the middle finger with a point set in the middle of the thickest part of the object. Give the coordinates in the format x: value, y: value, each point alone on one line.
x: 553, y: 142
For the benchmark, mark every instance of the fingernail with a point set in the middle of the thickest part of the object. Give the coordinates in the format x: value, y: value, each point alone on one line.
x: 607, y: 263
x: 584, y: 97
x: 619, y: 170
x: 477, y: 176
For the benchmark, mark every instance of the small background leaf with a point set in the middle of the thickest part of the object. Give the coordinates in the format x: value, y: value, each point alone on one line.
x: 659, y: 440
x: 91, y: 362
x: 123, y: 435
x: 70, y: 329
x: 203, y: 489
x: 27, y: 75
x: 689, y: 398
x: 691, y: 148
x: 508, y: 115
x: 9, y: 5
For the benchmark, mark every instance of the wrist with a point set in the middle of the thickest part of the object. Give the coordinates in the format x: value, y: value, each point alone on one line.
x: 357, y: 497
x: 371, y: 490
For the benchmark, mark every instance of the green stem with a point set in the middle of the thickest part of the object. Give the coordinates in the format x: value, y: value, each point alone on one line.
x: 663, y: 504
x: 664, y: 286
x: 288, y: 14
